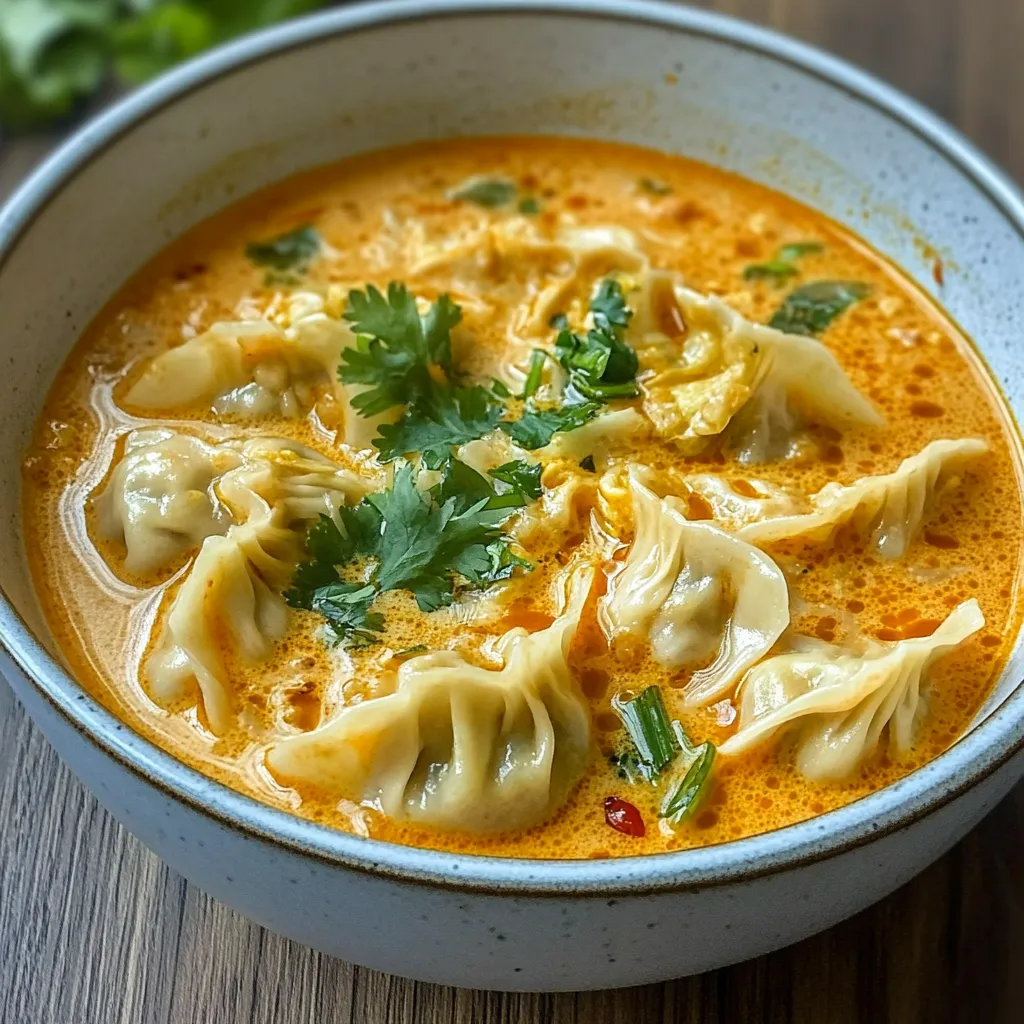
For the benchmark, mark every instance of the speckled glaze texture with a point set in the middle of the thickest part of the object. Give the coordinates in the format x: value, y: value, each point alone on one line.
x: 377, y: 75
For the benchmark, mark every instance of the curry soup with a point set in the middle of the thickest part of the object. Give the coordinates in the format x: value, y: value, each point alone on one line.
x: 564, y: 462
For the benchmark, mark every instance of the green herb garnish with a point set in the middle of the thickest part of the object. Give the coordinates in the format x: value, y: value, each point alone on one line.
x: 601, y: 365
x: 812, y: 307
x: 649, y: 728
x: 530, y: 205
x: 655, y: 187
x: 535, y: 372
x: 523, y: 477
x: 535, y: 428
x: 54, y: 54
x: 783, y: 265
x: 291, y: 252
x: 396, y: 348
x: 442, y: 418
x: 794, y: 250
x: 658, y: 743
x: 403, y: 539
x: 488, y: 192
x: 687, y: 790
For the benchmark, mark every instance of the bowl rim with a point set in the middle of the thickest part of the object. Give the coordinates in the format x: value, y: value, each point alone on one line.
x: 968, y: 762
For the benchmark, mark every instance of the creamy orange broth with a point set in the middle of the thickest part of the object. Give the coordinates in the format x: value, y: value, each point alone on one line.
x: 897, y: 347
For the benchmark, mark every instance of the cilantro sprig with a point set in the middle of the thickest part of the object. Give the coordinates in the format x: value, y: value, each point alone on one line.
x: 429, y: 544
x: 783, y: 265
x: 535, y: 428
x: 444, y: 418
x: 399, y: 354
x: 54, y: 54
x: 601, y: 364
x: 291, y: 252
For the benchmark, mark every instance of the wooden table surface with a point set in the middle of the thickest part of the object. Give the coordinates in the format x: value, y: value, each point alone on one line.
x: 94, y: 929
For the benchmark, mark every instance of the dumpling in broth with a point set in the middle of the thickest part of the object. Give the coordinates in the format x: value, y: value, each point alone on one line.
x: 457, y: 745
x: 262, y: 366
x: 695, y: 591
x: 233, y: 589
x: 837, y: 703
x: 724, y: 373
x: 170, y: 490
x: 160, y: 500
x: 891, y: 507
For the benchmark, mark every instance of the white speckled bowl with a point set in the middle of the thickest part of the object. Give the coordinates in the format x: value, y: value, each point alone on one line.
x: 371, y: 76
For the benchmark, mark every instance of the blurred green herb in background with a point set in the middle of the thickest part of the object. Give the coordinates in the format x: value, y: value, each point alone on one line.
x: 56, y: 53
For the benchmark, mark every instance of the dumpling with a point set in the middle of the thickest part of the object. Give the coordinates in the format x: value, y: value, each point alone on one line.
x: 696, y: 592
x: 756, y: 382
x: 605, y: 433
x: 160, y: 500
x: 233, y: 589
x: 296, y: 481
x: 255, y: 367
x: 280, y: 364
x: 736, y: 503
x: 232, y: 592
x: 456, y: 745
x: 836, y: 703
x: 892, y: 506
x: 171, y: 491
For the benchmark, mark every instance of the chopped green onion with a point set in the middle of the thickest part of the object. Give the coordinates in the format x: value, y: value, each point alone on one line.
x: 535, y: 374
x: 529, y: 205
x: 684, y: 795
x: 647, y: 723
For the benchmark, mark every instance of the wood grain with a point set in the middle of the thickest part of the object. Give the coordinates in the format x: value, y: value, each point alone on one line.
x: 95, y: 930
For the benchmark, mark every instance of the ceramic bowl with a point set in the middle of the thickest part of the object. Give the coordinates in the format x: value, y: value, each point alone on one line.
x: 369, y: 76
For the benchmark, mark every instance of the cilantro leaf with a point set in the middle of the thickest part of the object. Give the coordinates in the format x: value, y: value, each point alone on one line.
x: 522, y: 476
x: 466, y: 488
x: 346, y: 607
x: 445, y: 417
x: 783, y: 265
x: 794, y: 250
x: 397, y: 347
x: 655, y: 186
x: 159, y: 38
x: 534, y: 373
x: 51, y: 57
x: 488, y: 192
x: 535, y: 428
x: 601, y: 365
x: 54, y: 54
x: 291, y: 252
x: 811, y: 308
x: 408, y: 540
x: 421, y: 544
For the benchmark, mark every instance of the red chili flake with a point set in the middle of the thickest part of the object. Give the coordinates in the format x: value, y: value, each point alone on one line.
x: 623, y: 817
